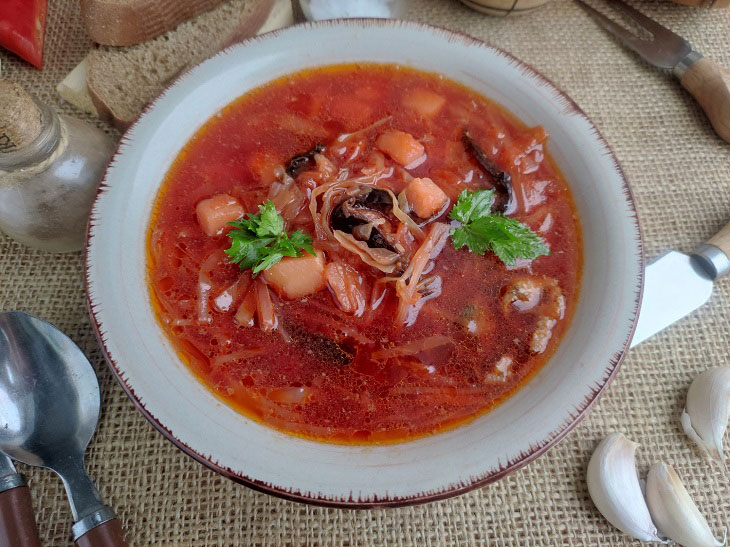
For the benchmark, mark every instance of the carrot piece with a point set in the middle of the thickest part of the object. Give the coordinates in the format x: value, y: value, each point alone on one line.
x: 216, y: 212
x: 297, y: 277
x: 424, y: 102
x: 401, y: 146
x: 425, y: 197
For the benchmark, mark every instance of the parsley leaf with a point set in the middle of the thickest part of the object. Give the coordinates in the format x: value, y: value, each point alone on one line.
x: 268, y: 222
x: 482, y: 231
x: 260, y: 241
x: 472, y: 205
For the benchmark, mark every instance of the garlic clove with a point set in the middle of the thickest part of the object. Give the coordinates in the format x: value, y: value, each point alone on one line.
x: 613, y: 484
x: 707, y: 410
x: 673, y: 510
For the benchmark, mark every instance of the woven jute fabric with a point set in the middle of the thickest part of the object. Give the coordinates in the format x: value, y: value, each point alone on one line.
x: 680, y: 174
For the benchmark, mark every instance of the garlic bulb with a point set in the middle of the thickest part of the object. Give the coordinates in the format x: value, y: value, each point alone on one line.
x: 613, y: 484
x: 707, y: 409
x: 673, y: 510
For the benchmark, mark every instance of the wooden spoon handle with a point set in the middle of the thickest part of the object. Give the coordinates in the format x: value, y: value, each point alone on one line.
x: 107, y: 534
x: 17, y: 523
x: 709, y: 84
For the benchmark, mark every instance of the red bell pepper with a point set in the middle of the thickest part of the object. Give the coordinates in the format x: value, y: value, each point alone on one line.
x: 22, y: 28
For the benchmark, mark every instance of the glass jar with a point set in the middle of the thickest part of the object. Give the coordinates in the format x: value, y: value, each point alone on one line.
x: 47, y: 187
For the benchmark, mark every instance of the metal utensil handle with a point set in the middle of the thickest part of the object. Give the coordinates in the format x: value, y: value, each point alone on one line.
x: 714, y: 256
x: 709, y: 84
x: 17, y: 523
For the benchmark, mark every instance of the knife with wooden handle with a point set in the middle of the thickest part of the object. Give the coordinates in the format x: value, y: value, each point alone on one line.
x: 705, y: 80
x: 676, y: 284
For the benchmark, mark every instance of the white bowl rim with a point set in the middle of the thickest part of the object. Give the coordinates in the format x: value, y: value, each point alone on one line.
x: 536, y: 450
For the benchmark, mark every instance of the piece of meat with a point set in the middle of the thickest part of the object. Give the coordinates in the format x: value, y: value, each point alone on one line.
x: 542, y: 334
x: 522, y: 294
x: 540, y: 296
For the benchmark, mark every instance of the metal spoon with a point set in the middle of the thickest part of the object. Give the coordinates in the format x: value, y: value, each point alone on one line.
x: 49, y: 408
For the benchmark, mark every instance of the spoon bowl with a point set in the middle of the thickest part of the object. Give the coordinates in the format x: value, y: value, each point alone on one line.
x: 49, y: 408
x: 49, y: 401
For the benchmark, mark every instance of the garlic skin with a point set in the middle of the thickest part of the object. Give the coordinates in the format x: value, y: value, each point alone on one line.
x: 707, y: 410
x: 613, y: 484
x: 673, y: 510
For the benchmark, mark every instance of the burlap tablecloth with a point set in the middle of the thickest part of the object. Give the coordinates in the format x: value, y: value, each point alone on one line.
x: 680, y: 173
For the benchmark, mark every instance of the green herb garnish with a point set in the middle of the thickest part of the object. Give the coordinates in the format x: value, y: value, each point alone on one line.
x: 260, y: 241
x: 482, y: 231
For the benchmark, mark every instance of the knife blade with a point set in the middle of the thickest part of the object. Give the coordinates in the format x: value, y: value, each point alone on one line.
x: 676, y: 284
x: 706, y: 81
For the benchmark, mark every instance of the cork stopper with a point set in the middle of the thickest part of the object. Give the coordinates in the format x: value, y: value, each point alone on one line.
x: 20, y: 118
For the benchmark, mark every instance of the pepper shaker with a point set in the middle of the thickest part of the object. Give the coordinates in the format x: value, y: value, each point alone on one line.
x: 50, y: 168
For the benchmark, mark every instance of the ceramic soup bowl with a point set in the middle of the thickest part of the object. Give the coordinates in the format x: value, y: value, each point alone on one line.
x: 442, y: 465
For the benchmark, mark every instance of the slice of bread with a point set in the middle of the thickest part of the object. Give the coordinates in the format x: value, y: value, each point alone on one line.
x: 121, y: 81
x: 129, y: 22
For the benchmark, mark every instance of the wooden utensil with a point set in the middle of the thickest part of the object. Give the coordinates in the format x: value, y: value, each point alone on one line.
x: 17, y: 523
x: 705, y: 80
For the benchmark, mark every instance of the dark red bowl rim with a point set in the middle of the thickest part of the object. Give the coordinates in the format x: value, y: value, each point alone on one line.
x: 392, y: 501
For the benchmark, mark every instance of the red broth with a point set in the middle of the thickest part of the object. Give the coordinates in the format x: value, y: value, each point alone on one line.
x: 326, y: 372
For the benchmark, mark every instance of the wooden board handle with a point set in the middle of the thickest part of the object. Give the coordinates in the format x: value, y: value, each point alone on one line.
x: 709, y: 84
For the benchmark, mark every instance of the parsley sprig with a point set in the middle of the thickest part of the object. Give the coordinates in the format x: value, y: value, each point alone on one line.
x: 260, y: 241
x: 482, y: 231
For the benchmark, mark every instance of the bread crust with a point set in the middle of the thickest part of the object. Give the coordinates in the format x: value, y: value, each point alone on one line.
x: 129, y: 22
x: 116, y: 115
x: 107, y: 114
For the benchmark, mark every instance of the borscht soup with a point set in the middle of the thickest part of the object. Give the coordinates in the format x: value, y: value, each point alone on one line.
x: 364, y: 254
